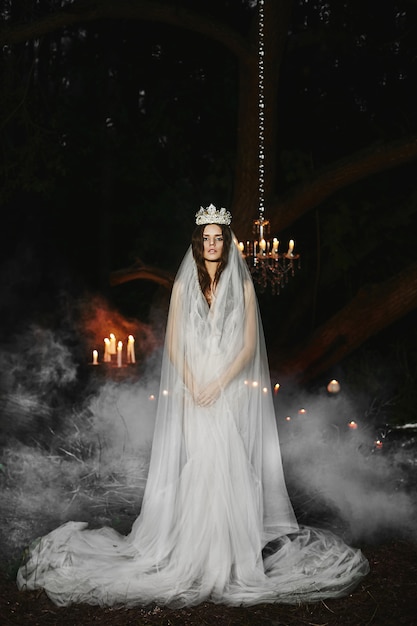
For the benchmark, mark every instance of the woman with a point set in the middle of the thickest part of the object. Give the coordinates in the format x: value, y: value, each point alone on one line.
x: 215, y: 496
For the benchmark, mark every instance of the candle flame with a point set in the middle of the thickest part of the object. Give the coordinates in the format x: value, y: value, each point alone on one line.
x: 333, y: 386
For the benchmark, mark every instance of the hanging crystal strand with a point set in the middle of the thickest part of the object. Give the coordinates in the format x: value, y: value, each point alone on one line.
x: 261, y: 110
x: 261, y: 225
x: 267, y: 264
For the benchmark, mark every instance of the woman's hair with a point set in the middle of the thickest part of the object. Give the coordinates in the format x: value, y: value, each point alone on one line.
x: 198, y: 254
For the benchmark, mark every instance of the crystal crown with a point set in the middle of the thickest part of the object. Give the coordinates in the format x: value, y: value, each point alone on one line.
x: 211, y: 215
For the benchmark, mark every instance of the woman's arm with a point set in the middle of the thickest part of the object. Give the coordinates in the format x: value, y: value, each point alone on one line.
x: 212, y: 390
x: 175, y: 340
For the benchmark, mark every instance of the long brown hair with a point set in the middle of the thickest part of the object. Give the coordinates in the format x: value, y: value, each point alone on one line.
x: 198, y: 254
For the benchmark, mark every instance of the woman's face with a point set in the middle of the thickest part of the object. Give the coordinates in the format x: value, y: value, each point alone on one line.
x: 212, y: 242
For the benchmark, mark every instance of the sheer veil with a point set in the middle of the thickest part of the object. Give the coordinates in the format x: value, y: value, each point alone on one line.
x: 215, y: 494
x: 224, y: 345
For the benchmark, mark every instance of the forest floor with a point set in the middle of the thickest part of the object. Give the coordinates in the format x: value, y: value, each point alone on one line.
x: 386, y: 597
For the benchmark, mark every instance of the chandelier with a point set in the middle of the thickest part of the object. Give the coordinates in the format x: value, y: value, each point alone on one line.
x: 268, y: 266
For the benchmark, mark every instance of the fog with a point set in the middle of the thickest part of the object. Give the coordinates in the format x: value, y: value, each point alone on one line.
x: 339, y: 469
x: 76, y: 438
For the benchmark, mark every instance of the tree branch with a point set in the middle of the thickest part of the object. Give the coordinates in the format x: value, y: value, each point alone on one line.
x: 82, y: 11
x: 285, y: 211
x: 373, y: 308
x: 139, y: 271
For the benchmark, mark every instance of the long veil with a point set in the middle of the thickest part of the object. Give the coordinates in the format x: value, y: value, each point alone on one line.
x: 202, y: 345
x: 215, y: 494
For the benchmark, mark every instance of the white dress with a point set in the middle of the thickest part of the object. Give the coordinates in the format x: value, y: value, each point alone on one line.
x: 215, y: 494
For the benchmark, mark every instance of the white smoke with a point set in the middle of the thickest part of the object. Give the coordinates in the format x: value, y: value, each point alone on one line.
x: 76, y: 445
x: 336, y: 468
x: 75, y: 439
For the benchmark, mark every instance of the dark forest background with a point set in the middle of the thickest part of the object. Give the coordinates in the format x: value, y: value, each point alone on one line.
x: 119, y: 119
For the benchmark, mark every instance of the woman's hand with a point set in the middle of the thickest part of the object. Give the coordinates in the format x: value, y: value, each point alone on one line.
x: 209, y: 395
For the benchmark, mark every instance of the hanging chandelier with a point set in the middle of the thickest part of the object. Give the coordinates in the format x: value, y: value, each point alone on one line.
x: 268, y: 266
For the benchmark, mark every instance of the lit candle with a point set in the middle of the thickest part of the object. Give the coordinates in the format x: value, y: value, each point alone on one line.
x: 119, y: 354
x: 333, y: 386
x: 131, y: 349
x: 262, y: 245
x: 95, y: 357
x: 107, y: 355
x: 275, y: 245
x: 112, y: 348
x: 241, y: 247
x: 276, y: 388
x: 291, y: 247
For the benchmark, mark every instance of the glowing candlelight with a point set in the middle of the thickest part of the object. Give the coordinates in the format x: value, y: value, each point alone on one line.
x: 353, y: 425
x: 119, y: 354
x: 276, y: 388
x: 265, y: 389
x: 131, y: 349
x: 290, y: 247
x: 333, y: 386
x: 107, y: 355
x: 112, y: 348
x: 302, y: 412
x: 241, y: 247
x: 95, y: 357
x: 275, y: 244
x: 262, y: 245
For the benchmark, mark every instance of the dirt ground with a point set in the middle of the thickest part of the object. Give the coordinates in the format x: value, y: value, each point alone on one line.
x: 386, y: 597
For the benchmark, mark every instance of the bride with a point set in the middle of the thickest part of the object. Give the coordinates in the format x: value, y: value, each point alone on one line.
x: 216, y: 522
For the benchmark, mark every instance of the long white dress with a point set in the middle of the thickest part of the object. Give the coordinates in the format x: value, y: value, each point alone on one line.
x: 215, y: 494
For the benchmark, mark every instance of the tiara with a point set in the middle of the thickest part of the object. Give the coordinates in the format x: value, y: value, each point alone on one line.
x: 211, y: 215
